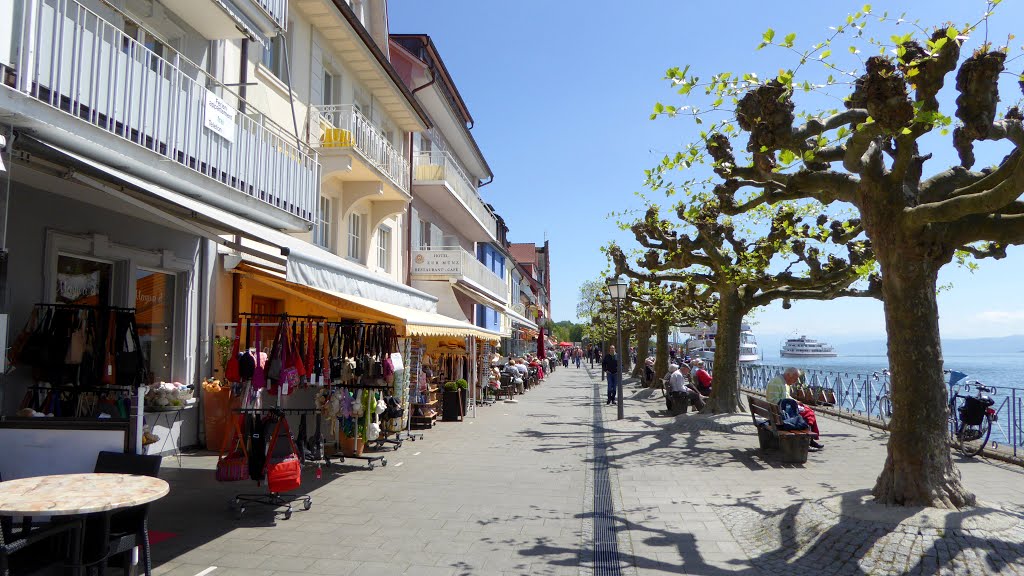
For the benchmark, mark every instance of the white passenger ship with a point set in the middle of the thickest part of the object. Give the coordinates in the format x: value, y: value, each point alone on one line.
x: 803, y: 346
x: 702, y: 343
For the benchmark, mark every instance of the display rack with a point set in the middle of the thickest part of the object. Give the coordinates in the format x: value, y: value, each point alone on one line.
x: 272, y: 499
x: 371, y: 460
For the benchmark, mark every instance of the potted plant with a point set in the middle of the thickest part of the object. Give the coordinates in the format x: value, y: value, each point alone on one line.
x: 451, y: 403
x: 463, y: 394
x: 222, y: 345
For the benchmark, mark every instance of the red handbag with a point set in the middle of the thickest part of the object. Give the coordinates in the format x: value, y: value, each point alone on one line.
x: 284, y: 474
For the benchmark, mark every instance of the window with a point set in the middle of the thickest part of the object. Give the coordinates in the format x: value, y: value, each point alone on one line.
x: 157, y: 49
x: 384, y: 248
x: 154, y: 316
x: 424, y: 235
x: 322, y: 230
x: 274, y: 56
x: 84, y: 281
x: 328, y: 88
x: 355, y: 234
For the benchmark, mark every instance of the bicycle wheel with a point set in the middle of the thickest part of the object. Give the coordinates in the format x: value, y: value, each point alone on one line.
x: 885, y: 406
x: 971, y: 438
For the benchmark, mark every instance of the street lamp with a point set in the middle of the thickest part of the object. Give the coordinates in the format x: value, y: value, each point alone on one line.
x: 617, y: 288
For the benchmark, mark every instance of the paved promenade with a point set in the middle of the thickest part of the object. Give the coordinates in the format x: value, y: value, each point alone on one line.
x: 555, y: 485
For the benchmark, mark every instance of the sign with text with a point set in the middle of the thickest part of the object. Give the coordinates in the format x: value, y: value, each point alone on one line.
x: 437, y: 262
x: 219, y: 117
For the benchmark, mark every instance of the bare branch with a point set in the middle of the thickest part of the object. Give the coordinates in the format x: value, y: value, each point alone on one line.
x: 986, y: 195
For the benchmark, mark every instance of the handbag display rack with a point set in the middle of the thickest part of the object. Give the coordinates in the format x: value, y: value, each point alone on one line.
x: 371, y: 460
x: 282, y: 468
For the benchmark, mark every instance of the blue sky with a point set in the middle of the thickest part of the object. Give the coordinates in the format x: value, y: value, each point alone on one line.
x: 561, y: 92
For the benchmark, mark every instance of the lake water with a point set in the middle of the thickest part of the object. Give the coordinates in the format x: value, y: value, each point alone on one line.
x: 999, y: 370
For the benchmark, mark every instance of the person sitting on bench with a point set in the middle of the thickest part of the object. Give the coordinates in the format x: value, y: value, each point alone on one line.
x: 679, y: 386
x: 777, y: 390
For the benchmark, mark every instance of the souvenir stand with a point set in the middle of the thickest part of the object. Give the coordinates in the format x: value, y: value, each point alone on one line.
x: 82, y: 371
x: 272, y: 364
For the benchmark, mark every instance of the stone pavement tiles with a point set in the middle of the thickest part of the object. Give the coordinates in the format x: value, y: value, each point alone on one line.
x: 512, y: 491
x: 498, y: 494
x: 699, y: 497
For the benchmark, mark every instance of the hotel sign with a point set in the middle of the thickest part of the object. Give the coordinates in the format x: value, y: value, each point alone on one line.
x: 445, y: 262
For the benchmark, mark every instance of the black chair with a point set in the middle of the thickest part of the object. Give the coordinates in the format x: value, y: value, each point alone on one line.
x: 118, y: 533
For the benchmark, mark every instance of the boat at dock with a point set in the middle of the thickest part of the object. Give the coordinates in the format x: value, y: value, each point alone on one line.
x: 804, y: 347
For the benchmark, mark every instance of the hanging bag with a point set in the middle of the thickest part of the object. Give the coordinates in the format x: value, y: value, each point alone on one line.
x: 232, y: 372
x: 284, y: 474
x: 316, y: 443
x: 259, y: 373
x: 274, y: 362
x: 301, y: 442
x: 131, y: 366
x: 76, y: 345
x: 311, y: 370
x: 289, y: 374
x: 296, y: 356
x: 107, y: 377
x: 234, y: 465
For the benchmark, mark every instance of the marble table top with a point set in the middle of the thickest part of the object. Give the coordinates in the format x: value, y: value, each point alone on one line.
x: 67, y: 494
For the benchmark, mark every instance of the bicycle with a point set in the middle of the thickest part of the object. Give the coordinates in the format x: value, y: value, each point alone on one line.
x: 884, y: 400
x: 971, y: 421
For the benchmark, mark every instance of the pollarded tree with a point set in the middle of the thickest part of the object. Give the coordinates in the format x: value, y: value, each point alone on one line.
x: 870, y: 156
x: 798, y: 257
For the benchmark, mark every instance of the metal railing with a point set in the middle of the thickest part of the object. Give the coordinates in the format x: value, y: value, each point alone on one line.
x: 867, y: 396
x: 346, y: 127
x: 441, y: 166
x: 454, y: 261
x: 77, y: 62
x: 276, y: 9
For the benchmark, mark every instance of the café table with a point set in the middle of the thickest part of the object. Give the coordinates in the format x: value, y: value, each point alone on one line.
x: 71, y: 495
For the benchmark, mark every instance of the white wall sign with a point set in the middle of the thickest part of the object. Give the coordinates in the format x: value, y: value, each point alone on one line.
x: 219, y: 117
x: 437, y: 262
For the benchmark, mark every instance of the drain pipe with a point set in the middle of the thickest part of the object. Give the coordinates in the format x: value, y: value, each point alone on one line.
x: 291, y: 94
x: 408, y: 209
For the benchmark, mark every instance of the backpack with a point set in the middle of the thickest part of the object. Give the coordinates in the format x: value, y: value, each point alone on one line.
x: 791, y: 418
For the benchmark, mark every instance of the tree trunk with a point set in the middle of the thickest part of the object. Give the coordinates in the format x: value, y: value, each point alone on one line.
x: 643, y: 346
x: 919, y: 469
x: 660, y: 348
x: 725, y: 382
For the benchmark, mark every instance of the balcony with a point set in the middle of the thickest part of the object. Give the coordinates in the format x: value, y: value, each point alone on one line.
x: 110, y: 84
x: 224, y: 19
x: 455, y: 264
x: 441, y: 182
x: 342, y: 128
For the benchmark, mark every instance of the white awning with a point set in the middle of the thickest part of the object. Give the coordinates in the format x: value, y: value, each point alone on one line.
x: 304, y: 263
x: 520, y: 319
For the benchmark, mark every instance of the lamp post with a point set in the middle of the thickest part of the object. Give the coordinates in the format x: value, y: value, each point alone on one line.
x: 617, y: 289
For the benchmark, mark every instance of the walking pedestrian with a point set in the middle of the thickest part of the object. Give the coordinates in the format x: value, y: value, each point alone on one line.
x: 610, y: 366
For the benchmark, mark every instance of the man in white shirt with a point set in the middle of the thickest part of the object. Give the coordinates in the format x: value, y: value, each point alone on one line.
x: 679, y: 386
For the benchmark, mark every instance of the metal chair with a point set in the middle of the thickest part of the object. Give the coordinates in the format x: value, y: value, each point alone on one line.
x: 122, y: 531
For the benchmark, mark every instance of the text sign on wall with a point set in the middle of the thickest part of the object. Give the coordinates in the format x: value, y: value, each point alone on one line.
x: 219, y: 117
x: 437, y: 262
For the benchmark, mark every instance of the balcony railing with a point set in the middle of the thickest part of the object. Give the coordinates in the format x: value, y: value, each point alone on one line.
x: 87, y: 67
x: 441, y: 166
x: 277, y: 9
x: 455, y: 262
x: 342, y: 126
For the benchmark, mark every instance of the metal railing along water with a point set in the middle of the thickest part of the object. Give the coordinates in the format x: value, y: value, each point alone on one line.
x: 437, y: 166
x: 79, y: 63
x: 867, y: 396
x: 347, y: 127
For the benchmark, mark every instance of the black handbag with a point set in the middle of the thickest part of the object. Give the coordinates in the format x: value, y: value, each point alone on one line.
x: 130, y: 363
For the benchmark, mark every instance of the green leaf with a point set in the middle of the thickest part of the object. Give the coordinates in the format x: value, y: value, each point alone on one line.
x: 787, y: 156
x: 659, y: 108
x: 790, y: 38
x: 826, y: 54
x: 768, y: 36
x: 866, y: 9
x: 952, y: 32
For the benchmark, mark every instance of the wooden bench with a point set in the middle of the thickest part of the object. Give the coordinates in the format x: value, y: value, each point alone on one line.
x: 767, y: 417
